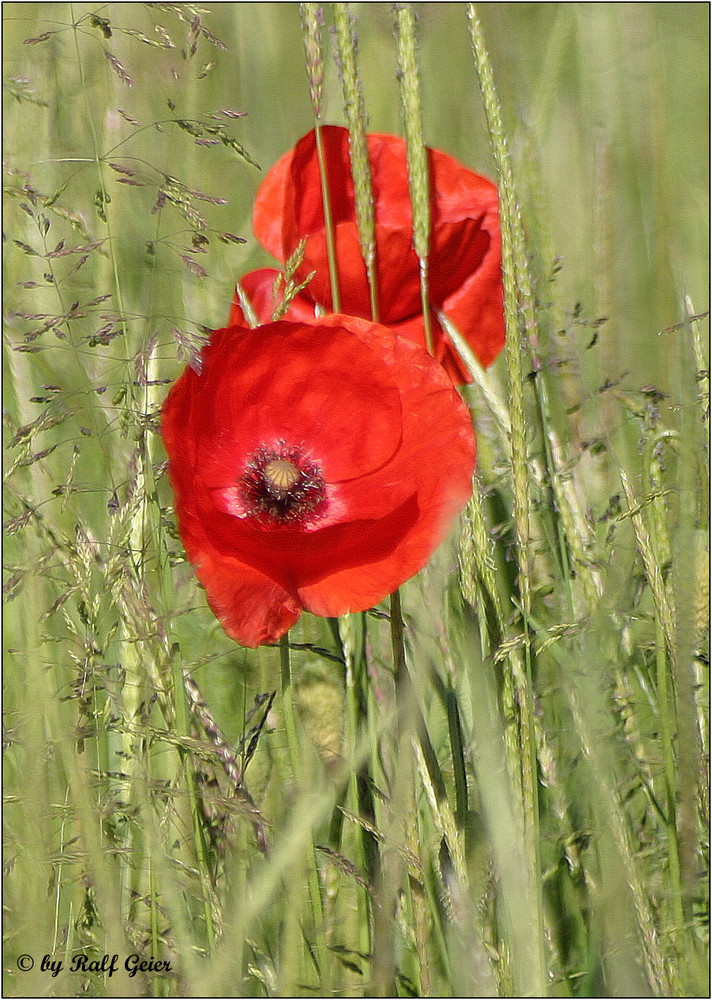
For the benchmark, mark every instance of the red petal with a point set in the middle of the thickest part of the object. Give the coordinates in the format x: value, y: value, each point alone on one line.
x: 295, y: 383
x: 252, y: 608
x: 270, y: 207
x: 477, y: 308
x: 443, y: 349
x: 435, y: 423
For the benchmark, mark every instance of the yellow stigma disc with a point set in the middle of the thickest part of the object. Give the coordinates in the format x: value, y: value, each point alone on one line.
x: 282, y: 474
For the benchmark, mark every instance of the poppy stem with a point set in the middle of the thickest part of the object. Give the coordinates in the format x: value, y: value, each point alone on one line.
x: 285, y: 663
x: 351, y: 633
x: 328, y: 220
x: 397, y: 639
x: 373, y: 285
x: 412, y: 737
x: 392, y: 881
x: 290, y: 725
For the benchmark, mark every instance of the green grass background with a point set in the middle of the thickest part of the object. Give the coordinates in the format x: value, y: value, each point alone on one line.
x: 107, y: 847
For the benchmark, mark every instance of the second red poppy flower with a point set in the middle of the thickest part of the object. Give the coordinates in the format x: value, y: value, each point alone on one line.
x: 465, y: 278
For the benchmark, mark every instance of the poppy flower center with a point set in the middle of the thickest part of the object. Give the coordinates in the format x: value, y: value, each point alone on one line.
x: 281, y: 487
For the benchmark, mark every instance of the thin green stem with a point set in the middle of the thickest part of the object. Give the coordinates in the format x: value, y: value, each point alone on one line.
x: 328, y: 220
x: 391, y: 875
x: 667, y: 737
x: 352, y: 637
x: 373, y: 291
x: 153, y: 898
x: 290, y: 725
x: 397, y: 638
x: 425, y: 306
x: 312, y: 21
x: 587, y: 711
x: 182, y: 728
x: 97, y: 160
x: 458, y: 758
x: 660, y: 554
x: 129, y: 658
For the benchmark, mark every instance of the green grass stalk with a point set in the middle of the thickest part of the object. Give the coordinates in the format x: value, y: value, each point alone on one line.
x: 328, y: 220
x: 689, y: 581
x: 390, y: 886
x: 295, y: 757
x: 360, y: 162
x: 111, y: 844
x: 352, y: 632
x: 416, y: 153
x: 129, y: 659
x: 312, y: 21
x: 678, y: 741
x: 512, y: 278
x: 182, y: 728
x: 592, y: 723
x: 97, y: 156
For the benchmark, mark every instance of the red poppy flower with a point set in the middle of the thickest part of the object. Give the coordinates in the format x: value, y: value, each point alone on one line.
x: 315, y: 466
x: 465, y: 278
